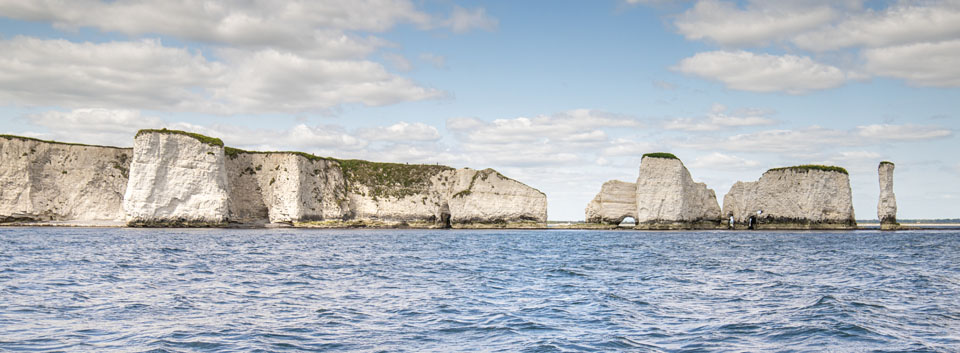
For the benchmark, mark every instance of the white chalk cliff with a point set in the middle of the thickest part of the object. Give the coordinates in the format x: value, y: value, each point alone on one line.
x: 801, y: 197
x: 887, y: 206
x: 664, y: 197
x: 51, y: 181
x: 176, y: 179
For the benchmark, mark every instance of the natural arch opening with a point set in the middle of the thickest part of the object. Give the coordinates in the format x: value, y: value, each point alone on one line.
x: 627, y: 222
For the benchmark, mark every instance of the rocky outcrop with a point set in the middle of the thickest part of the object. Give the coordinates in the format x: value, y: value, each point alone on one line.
x: 430, y: 195
x: 616, y: 201
x: 283, y: 187
x: 887, y: 207
x: 801, y: 197
x: 176, y: 179
x: 52, y: 181
x: 667, y: 197
x: 664, y: 197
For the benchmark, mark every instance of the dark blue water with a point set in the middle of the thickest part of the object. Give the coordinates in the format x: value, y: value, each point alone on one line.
x: 538, y: 291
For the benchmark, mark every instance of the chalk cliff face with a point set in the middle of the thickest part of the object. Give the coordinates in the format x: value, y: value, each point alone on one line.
x: 441, y: 196
x: 616, y: 201
x: 176, y: 179
x: 887, y: 207
x: 802, y: 197
x: 668, y: 198
x: 283, y: 187
x: 50, y: 181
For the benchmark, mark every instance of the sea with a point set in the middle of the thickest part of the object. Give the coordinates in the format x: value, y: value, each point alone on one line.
x: 360, y: 290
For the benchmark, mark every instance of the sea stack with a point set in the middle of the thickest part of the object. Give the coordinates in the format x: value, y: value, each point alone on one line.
x: 887, y: 207
x: 664, y: 197
x: 616, y: 201
x: 799, y: 197
x: 177, y: 179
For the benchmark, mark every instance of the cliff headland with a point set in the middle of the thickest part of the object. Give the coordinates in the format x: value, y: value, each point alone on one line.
x: 179, y: 179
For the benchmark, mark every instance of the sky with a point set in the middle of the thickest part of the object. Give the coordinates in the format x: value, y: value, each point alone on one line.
x: 560, y: 95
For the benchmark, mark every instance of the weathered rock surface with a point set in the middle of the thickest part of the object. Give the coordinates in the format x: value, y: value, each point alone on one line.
x: 176, y: 180
x: 667, y: 197
x: 283, y: 187
x: 664, y: 197
x: 440, y: 196
x: 616, y: 201
x: 887, y: 207
x: 51, y: 181
x: 802, y: 197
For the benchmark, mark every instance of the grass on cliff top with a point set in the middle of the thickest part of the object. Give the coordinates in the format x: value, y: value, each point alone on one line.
x: 886, y: 162
x: 808, y: 167
x: 660, y: 155
x: 389, y: 179
x: 24, y: 138
x: 233, y: 152
x: 212, y: 141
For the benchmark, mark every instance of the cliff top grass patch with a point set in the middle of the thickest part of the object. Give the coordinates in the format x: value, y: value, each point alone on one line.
x: 24, y: 138
x: 233, y: 152
x: 809, y: 167
x: 389, y: 179
x: 660, y: 155
x: 886, y: 162
x: 212, y: 141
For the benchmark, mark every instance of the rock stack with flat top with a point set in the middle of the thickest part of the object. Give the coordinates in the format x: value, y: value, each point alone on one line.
x: 799, y: 197
x: 887, y: 207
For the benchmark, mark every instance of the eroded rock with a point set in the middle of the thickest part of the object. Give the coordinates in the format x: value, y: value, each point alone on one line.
x: 616, y: 201
x: 801, y: 197
x: 887, y: 206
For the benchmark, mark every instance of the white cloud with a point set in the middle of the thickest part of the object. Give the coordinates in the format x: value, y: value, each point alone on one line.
x: 464, y: 20
x: 398, y: 62
x: 901, y: 23
x: 813, y: 139
x: 148, y: 75
x: 922, y: 64
x: 746, y: 71
x: 437, y: 61
x: 561, y: 138
x: 718, y: 121
x: 720, y: 161
x: 722, y: 22
x: 627, y: 147
x: 95, y: 126
x: 316, y: 26
x: 908, y: 132
x: 401, y: 131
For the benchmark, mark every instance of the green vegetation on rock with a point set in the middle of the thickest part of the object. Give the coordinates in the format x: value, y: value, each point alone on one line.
x: 24, y: 138
x: 212, y: 141
x: 809, y: 167
x: 660, y: 155
x: 389, y: 179
x: 886, y: 162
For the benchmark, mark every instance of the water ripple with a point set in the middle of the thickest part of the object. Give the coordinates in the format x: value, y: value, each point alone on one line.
x: 162, y: 290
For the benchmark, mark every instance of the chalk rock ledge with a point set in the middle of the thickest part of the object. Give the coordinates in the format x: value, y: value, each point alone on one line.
x: 799, y: 197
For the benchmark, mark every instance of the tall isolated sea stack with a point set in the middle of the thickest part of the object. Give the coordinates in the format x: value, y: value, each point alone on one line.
x: 800, y: 197
x: 887, y: 206
x: 664, y: 197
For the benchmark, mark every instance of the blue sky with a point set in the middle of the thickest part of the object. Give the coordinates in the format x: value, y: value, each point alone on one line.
x: 561, y: 95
